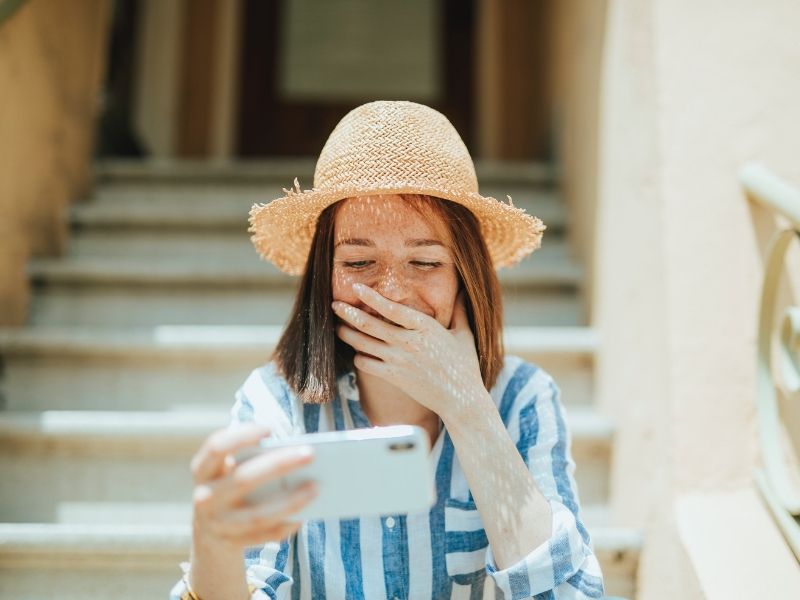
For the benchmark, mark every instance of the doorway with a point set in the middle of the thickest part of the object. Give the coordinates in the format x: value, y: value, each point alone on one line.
x: 304, y: 66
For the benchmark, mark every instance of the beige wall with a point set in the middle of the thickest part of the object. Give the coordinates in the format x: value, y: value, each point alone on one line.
x: 51, y: 63
x: 577, y: 30
x: 690, y: 92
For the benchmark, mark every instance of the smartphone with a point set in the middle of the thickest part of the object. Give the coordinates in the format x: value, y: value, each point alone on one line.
x: 358, y: 472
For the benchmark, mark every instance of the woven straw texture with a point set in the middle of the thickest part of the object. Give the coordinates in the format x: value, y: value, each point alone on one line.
x: 389, y: 147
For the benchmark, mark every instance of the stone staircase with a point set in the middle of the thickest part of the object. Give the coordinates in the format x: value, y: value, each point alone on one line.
x: 138, y: 338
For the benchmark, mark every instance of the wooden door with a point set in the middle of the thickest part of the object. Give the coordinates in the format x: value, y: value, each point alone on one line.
x: 274, y: 123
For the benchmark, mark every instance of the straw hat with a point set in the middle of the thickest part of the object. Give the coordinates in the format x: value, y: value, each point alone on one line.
x: 389, y: 147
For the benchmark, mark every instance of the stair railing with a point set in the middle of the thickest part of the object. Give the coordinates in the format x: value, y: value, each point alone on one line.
x: 778, y: 369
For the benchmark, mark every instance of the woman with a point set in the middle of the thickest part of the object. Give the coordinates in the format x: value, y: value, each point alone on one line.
x: 397, y: 320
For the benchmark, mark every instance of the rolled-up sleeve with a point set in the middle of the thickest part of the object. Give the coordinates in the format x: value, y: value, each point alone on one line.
x: 266, y: 568
x: 564, y: 566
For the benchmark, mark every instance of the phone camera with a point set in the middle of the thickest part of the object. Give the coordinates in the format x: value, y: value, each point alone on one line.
x: 401, y: 446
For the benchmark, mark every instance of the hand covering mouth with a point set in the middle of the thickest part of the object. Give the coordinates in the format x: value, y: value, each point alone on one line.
x: 371, y: 311
x: 377, y: 315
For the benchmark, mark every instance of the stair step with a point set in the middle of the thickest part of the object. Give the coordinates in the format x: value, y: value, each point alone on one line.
x: 84, y: 562
x: 135, y: 513
x: 206, y: 340
x: 127, y: 431
x: 284, y: 170
x: 618, y: 549
x: 174, y: 367
x: 212, y: 247
x: 182, y: 172
x: 226, y: 208
x: 99, y: 291
x: 90, y: 562
x: 51, y: 457
x: 552, y: 270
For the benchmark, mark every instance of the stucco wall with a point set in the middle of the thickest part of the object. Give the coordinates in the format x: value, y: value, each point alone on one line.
x: 690, y: 92
x: 577, y: 29
x: 51, y: 61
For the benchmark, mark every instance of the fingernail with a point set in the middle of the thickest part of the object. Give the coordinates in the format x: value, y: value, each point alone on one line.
x: 358, y: 287
x: 304, y: 451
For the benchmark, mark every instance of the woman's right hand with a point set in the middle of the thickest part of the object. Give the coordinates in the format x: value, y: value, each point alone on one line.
x: 219, y: 514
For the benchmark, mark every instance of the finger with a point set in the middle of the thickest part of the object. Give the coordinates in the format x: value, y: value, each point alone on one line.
x: 362, y: 342
x: 373, y: 366
x: 269, y: 513
x: 229, y: 464
x: 394, y: 311
x: 369, y: 324
x: 209, y: 461
x: 228, y: 491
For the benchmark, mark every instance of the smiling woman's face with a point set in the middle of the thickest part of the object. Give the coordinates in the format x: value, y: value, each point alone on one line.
x: 384, y: 243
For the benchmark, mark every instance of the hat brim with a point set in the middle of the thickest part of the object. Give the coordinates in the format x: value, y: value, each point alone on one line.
x: 284, y: 228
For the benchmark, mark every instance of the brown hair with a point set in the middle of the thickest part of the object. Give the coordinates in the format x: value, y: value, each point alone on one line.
x: 310, y: 355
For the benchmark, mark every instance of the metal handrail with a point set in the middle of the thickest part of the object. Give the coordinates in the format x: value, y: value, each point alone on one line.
x: 772, y: 191
x: 776, y: 482
x: 8, y: 8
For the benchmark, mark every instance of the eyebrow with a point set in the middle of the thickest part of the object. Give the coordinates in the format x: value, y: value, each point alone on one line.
x: 415, y: 243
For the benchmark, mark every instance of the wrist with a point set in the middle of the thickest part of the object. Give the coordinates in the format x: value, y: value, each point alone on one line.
x: 212, y: 547
x: 216, y: 569
x: 190, y: 594
x: 204, y: 539
x: 471, y: 415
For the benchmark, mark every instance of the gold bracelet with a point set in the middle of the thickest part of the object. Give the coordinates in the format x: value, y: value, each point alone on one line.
x: 190, y: 595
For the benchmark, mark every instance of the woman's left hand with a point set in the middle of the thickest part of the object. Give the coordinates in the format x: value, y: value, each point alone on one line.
x: 438, y: 367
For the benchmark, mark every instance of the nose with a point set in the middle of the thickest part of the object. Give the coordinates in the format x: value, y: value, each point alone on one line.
x: 392, y: 285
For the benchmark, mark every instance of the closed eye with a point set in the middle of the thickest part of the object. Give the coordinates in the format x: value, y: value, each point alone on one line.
x: 357, y: 264
x: 363, y: 264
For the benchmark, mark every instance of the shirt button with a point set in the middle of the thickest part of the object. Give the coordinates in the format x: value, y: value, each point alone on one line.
x: 390, y: 524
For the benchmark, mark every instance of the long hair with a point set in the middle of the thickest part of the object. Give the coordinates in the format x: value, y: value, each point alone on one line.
x: 309, y: 354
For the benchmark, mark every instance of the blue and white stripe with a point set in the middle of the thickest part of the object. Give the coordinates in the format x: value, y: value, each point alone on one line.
x: 443, y: 553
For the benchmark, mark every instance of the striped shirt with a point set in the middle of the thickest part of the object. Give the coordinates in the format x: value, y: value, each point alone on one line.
x: 441, y: 553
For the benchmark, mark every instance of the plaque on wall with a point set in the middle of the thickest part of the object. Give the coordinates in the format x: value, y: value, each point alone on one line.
x: 350, y: 50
